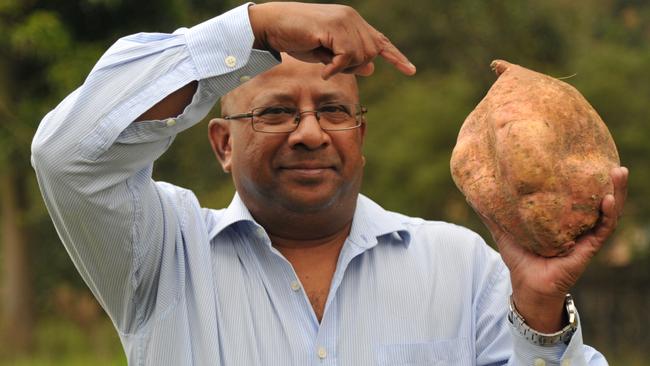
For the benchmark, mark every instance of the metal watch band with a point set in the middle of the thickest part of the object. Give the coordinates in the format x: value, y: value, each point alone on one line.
x: 545, y: 339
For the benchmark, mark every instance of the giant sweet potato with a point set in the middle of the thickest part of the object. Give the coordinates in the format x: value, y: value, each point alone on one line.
x: 535, y: 158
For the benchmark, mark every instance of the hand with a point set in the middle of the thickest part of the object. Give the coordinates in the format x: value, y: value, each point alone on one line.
x: 539, y: 284
x: 335, y: 35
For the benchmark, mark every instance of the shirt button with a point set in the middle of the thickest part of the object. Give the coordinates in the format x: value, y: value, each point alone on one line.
x: 231, y: 61
x: 322, y: 353
x: 261, y: 233
x: 539, y: 362
x: 244, y: 79
x: 295, y: 285
x: 170, y: 122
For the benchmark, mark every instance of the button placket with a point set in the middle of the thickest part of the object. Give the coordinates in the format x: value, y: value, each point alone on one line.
x: 539, y: 362
x: 295, y: 285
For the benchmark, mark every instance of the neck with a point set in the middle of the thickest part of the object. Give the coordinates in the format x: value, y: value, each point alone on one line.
x: 288, y: 228
x: 336, y: 239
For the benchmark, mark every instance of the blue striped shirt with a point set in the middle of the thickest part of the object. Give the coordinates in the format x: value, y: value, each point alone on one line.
x: 186, y: 285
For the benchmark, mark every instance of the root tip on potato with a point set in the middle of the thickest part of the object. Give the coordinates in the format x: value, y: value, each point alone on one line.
x: 499, y: 66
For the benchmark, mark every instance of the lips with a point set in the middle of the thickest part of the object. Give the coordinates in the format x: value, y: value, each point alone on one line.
x: 307, y: 171
x: 307, y: 166
x: 312, y: 163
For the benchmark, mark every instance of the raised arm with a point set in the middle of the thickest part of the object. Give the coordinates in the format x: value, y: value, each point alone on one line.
x: 94, y: 165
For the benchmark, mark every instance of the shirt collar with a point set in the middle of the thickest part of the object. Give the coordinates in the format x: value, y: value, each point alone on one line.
x: 236, y: 212
x: 370, y: 222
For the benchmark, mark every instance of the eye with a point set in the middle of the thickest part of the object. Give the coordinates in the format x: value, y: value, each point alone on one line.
x: 335, y: 108
x: 275, y: 111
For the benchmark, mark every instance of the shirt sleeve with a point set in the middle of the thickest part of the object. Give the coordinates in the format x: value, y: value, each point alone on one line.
x: 499, y: 343
x: 94, y: 164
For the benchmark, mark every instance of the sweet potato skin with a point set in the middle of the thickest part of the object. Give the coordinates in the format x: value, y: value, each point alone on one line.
x: 534, y: 156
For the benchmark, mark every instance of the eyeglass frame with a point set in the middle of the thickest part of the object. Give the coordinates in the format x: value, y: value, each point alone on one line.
x: 358, y: 117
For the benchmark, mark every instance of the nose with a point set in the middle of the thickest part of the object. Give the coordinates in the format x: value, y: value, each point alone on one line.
x: 309, y: 134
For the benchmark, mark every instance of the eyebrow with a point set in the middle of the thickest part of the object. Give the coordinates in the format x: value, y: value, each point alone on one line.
x: 270, y: 98
x: 263, y: 99
x: 333, y: 97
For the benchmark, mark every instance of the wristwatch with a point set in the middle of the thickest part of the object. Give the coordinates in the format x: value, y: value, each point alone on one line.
x: 545, y: 339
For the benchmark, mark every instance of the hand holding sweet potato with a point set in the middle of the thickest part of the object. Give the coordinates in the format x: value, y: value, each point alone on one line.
x: 539, y: 166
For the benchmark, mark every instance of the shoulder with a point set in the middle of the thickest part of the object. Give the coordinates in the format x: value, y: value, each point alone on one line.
x: 452, y: 248
x: 438, y: 254
x: 185, y: 203
x: 443, y: 237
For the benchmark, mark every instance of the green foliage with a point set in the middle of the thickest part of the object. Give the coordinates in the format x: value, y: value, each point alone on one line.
x: 618, y: 86
x: 409, y: 139
x: 41, y: 36
x: 59, y: 342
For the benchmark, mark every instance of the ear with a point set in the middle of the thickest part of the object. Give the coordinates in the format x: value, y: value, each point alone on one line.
x: 362, y: 131
x: 221, y: 142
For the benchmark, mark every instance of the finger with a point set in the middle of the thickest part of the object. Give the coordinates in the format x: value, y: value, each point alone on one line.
x: 619, y: 179
x: 366, y: 69
x: 607, y: 223
x: 368, y: 51
x: 391, y: 54
x: 338, y: 64
x: 323, y: 55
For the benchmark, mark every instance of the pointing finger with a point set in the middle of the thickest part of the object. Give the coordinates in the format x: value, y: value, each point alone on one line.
x: 391, y: 54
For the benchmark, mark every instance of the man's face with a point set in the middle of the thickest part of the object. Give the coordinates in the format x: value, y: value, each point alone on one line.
x: 307, y: 170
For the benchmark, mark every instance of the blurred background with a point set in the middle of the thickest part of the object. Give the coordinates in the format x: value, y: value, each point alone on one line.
x: 47, y: 47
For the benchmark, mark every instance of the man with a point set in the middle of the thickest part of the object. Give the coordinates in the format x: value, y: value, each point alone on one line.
x: 299, y: 269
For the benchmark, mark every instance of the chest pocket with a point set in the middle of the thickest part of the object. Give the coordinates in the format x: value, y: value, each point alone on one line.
x: 456, y: 352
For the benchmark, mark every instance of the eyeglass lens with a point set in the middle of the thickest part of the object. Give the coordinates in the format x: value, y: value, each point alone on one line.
x: 285, y: 119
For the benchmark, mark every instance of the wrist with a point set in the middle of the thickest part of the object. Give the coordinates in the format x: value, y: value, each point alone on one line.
x: 546, y: 314
x: 256, y: 16
x: 520, y: 324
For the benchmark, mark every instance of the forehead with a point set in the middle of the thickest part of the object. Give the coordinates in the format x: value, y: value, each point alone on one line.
x: 296, y: 82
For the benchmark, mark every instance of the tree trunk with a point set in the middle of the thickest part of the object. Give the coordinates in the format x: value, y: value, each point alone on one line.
x: 17, y: 312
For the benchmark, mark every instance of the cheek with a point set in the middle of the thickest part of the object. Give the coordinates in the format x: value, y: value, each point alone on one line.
x: 351, y: 147
x: 350, y: 152
x: 252, y: 156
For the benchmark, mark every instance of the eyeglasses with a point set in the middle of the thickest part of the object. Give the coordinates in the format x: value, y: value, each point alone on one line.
x: 284, y: 119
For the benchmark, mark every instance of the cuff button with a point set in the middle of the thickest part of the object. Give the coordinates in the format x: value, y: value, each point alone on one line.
x: 231, y: 61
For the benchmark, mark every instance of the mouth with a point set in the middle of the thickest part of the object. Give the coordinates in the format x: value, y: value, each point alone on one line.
x: 308, y: 169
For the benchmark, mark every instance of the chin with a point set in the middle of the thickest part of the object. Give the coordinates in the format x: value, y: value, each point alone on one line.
x: 314, y: 201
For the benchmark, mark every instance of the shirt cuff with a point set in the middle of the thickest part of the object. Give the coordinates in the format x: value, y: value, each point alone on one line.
x: 221, y: 44
x: 527, y: 353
